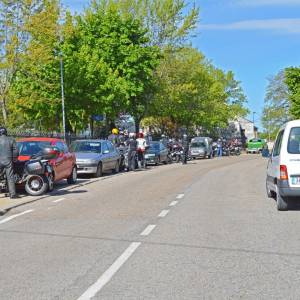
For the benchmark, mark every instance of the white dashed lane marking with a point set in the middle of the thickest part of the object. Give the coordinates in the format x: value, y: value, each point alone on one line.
x: 59, y: 200
x: 15, y: 216
x: 148, y: 230
x: 180, y: 196
x: 173, y: 203
x: 109, y: 273
x: 163, y: 213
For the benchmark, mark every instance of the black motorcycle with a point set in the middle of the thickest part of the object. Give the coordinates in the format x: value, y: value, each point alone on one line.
x: 36, y: 175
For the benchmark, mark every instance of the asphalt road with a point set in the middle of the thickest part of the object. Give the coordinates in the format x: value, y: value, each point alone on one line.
x: 201, y: 231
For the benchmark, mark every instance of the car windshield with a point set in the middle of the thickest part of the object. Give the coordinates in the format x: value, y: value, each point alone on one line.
x: 86, y: 147
x: 255, y: 141
x: 29, y: 148
x: 294, y: 141
x: 198, y: 144
x: 154, y: 146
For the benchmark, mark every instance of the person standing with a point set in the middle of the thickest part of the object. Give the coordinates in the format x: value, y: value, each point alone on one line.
x: 8, y: 154
x: 141, y: 148
x: 185, y: 146
x: 220, y: 147
x: 132, y: 147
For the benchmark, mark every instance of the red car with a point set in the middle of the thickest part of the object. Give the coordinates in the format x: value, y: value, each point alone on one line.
x: 64, y: 164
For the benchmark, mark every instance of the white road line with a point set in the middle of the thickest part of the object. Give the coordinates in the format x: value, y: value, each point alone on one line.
x: 163, y: 213
x: 15, y: 216
x: 173, y: 203
x: 109, y: 273
x: 59, y: 200
x: 180, y: 196
x: 148, y: 230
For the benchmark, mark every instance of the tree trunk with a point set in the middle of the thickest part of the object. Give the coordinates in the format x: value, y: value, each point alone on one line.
x: 4, y: 110
x: 137, y: 121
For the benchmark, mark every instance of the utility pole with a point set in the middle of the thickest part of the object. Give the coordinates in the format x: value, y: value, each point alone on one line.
x: 62, y: 87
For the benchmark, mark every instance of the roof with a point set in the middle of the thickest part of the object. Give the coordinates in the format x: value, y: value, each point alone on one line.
x: 91, y: 141
x: 39, y: 139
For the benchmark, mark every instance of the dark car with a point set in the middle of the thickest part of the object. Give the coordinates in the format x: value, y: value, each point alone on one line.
x: 156, y: 153
x: 96, y: 157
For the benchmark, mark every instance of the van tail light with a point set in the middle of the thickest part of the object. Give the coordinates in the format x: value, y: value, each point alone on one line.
x: 283, y: 172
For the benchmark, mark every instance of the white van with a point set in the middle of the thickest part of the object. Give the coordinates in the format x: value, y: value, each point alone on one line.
x: 283, y: 172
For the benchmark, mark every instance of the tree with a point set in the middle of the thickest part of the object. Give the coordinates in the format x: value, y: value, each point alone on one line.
x: 292, y: 80
x: 36, y: 89
x: 277, y: 105
x: 110, y: 65
x: 194, y: 93
x: 168, y: 22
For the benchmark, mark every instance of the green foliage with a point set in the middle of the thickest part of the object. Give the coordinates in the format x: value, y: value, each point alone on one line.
x: 194, y: 93
x: 119, y: 56
x: 293, y: 82
x: 276, y: 108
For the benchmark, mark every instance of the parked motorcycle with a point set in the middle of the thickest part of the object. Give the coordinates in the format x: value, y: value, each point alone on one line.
x: 36, y: 174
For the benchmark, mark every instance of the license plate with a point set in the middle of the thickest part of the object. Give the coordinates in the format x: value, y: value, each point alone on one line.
x: 295, y: 180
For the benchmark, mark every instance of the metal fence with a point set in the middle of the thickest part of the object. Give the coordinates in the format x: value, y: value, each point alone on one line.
x: 30, y: 133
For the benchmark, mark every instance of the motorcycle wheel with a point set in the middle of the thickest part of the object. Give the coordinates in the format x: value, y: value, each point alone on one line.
x: 36, y: 185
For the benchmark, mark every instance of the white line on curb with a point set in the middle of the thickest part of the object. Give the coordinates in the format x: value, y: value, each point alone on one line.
x: 173, y: 203
x: 148, y: 230
x: 163, y: 213
x: 15, y: 216
x: 109, y: 273
x: 180, y: 196
x: 59, y: 200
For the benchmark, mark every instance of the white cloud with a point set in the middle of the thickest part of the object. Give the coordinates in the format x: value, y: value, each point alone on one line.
x: 267, y: 2
x: 291, y: 26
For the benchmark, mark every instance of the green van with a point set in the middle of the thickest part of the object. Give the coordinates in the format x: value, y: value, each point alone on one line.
x: 256, y: 145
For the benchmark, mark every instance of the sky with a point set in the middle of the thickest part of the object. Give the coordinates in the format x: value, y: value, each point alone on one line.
x: 253, y: 38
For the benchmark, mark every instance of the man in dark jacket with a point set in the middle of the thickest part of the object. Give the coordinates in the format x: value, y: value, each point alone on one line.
x: 185, y: 145
x: 8, y: 154
x: 132, y: 147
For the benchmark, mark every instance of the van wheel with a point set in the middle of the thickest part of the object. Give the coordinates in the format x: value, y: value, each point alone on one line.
x: 282, y: 203
x: 270, y: 193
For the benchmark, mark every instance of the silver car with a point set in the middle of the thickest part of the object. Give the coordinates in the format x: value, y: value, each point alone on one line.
x: 96, y: 157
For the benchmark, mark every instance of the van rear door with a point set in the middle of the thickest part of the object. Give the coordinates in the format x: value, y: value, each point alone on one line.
x: 293, y: 157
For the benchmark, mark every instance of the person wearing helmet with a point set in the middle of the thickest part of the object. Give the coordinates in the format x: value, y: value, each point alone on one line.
x: 141, y: 148
x: 132, y: 147
x: 114, y: 137
x: 185, y: 145
x: 8, y: 154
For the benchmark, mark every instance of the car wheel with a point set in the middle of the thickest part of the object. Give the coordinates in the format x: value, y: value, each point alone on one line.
x: 99, y: 171
x: 50, y: 183
x: 282, y: 202
x: 117, y: 168
x: 73, y: 177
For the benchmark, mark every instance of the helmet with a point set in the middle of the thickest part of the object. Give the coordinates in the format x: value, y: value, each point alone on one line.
x: 131, y: 134
x: 115, y: 131
x: 185, y: 135
x: 141, y: 135
x: 3, y: 131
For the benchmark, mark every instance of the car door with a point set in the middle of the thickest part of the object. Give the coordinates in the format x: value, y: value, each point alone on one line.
x: 274, y: 161
x: 69, y: 159
x: 112, y: 155
x: 60, y: 162
x: 105, y: 157
x: 163, y: 153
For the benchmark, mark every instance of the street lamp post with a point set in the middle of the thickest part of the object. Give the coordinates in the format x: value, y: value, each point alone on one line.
x: 62, y: 89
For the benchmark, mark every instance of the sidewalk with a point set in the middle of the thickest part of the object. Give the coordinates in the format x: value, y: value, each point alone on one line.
x: 7, y: 204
